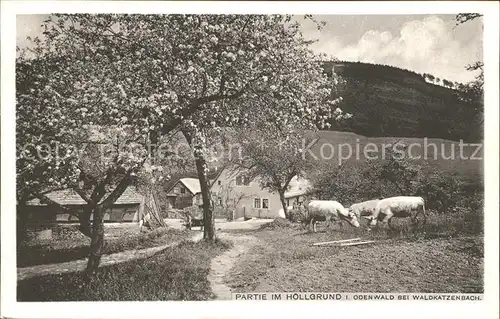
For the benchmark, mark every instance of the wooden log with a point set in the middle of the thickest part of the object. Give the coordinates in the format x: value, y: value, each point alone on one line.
x: 335, y: 241
x: 357, y: 243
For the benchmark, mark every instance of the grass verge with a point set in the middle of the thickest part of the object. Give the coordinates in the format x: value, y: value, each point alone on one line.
x: 72, y: 245
x: 178, y: 273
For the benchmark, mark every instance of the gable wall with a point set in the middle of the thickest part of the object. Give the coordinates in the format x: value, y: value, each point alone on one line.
x: 245, y: 207
x: 182, y: 200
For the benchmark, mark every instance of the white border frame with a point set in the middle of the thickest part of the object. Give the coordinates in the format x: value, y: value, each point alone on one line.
x: 243, y: 309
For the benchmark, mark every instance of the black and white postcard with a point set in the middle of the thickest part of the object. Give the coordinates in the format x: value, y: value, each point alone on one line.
x: 234, y: 159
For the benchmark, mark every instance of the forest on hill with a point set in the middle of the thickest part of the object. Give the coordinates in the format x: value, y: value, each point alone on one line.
x: 389, y: 101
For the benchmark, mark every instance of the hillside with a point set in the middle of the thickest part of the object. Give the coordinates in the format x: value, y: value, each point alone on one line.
x: 434, y: 159
x: 387, y: 101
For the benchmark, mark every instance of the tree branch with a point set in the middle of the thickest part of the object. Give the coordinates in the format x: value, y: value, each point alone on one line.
x: 82, y: 194
x: 120, y: 188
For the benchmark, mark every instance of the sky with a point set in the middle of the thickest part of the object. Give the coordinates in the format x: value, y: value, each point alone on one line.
x: 421, y: 43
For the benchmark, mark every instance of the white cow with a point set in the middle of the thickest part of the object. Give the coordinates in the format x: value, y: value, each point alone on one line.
x: 329, y: 210
x: 399, y: 206
x: 364, y: 209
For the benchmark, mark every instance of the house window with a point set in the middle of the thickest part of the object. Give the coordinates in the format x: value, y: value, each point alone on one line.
x: 288, y: 202
x: 246, y: 180
x: 265, y: 203
x: 219, y: 183
x: 220, y: 201
x: 183, y: 190
x: 256, y: 203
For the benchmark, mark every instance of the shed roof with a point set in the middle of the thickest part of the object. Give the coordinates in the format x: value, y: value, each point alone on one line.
x: 192, y: 184
x: 70, y: 197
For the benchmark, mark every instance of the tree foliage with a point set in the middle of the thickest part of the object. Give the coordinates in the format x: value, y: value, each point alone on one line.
x: 392, y: 175
x: 465, y: 17
x: 149, y: 77
x: 378, y: 97
x: 274, y: 156
x: 473, y: 92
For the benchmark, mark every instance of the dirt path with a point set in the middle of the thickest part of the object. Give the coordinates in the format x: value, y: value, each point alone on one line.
x: 79, y: 265
x: 221, y: 264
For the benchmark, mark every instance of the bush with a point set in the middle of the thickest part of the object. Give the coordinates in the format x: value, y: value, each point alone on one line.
x: 443, y: 192
x: 158, y: 232
x: 67, y: 232
x: 461, y: 221
x: 456, y: 205
x: 298, y: 215
x: 173, y: 213
x: 277, y: 224
x: 455, y: 201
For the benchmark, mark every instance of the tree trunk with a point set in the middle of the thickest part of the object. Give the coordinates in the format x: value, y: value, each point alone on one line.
x: 283, y: 203
x: 97, y: 236
x: 97, y: 241
x: 201, y: 168
x: 84, y: 218
x: 208, y: 210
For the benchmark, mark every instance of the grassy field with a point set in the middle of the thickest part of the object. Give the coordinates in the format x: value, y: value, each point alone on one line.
x: 178, y: 273
x: 284, y: 260
x: 69, y: 244
x: 433, y: 157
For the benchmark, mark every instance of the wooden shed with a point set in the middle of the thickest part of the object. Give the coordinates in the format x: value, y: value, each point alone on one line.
x: 186, y: 192
x: 128, y: 208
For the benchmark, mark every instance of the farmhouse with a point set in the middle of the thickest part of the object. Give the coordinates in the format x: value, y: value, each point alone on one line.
x: 128, y: 208
x: 236, y: 196
x: 186, y: 192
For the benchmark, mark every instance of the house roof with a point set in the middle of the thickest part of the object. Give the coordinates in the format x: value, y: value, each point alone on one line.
x: 70, y: 197
x: 218, y: 172
x: 176, y: 177
x: 298, y: 187
x: 215, y: 175
x: 192, y: 184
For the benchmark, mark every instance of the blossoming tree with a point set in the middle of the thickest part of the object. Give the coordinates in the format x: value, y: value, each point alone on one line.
x: 154, y: 75
x: 276, y: 154
x: 276, y: 80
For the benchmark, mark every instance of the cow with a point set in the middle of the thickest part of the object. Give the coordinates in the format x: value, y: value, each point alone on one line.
x: 329, y: 210
x: 399, y: 206
x: 364, y: 209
